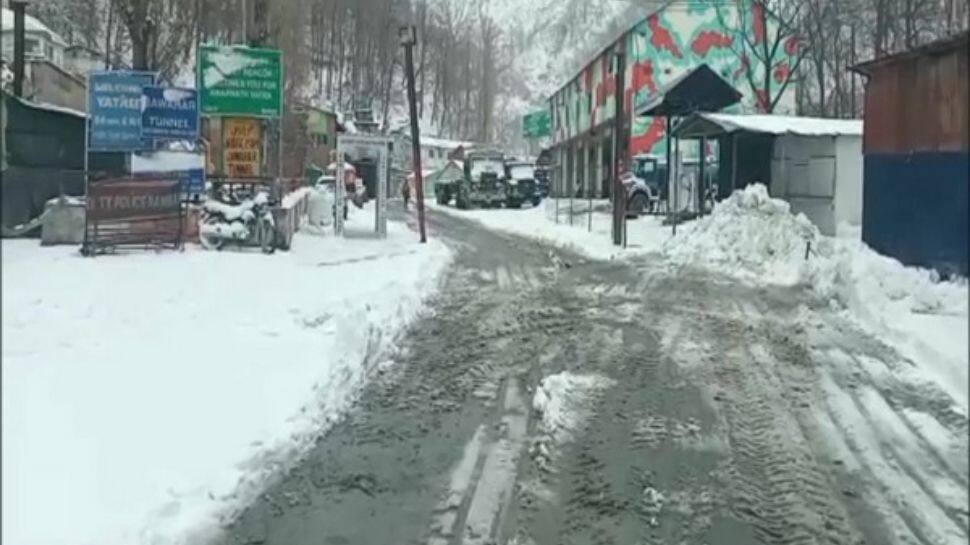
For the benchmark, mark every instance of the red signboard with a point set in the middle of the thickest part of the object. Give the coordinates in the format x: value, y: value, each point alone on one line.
x: 133, y: 212
x: 132, y: 199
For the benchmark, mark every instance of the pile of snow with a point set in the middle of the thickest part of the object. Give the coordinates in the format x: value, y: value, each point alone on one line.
x: 146, y: 397
x: 751, y: 236
x: 755, y: 238
x: 563, y: 401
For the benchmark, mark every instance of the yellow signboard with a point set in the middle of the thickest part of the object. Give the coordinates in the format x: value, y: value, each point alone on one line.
x: 242, y: 145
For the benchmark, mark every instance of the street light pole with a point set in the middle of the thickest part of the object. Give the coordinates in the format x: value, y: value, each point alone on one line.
x: 408, y: 38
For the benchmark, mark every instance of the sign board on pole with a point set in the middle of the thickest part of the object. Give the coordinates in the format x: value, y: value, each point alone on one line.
x: 193, y: 181
x: 537, y: 124
x: 240, y: 81
x: 242, y: 147
x: 170, y: 113
x: 115, y: 108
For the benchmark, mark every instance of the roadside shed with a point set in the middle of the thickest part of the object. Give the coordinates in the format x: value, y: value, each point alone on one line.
x: 813, y: 163
x: 916, y: 155
x: 452, y: 171
x: 43, y: 156
x: 697, y: 90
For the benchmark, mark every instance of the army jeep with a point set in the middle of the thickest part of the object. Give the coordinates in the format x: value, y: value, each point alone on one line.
x: 520, y: 177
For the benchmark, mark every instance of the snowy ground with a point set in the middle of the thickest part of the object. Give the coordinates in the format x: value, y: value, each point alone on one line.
x: 576, y: 229
x: 147, y: 395
x: 756, y: 240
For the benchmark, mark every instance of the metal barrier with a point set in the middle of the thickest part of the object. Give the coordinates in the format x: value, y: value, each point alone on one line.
x: 125, y: 213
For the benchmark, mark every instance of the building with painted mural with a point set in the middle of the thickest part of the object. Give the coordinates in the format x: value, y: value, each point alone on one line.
x: 732, y: 37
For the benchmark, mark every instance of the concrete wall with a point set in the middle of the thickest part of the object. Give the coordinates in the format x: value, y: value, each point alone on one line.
x: 45, y: 82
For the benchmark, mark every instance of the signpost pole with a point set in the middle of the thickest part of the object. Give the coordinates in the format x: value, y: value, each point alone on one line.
x: 670, y: 169
x: 408, y: 39
x: 87, y: 130
x: 619, y: 195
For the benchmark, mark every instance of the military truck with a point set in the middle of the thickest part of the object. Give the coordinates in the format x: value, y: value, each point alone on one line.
x: 520, y: 179
x: 483, y: 183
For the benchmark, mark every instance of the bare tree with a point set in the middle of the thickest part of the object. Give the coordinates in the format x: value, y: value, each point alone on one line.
x: 766, y: 42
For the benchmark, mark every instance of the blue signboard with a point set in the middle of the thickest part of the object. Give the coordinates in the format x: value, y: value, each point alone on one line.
x: 193, y: 181
x: 114, y: 105
x: 170, y: 113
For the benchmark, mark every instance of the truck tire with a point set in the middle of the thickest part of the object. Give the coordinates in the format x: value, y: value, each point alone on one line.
x: 636, y: 205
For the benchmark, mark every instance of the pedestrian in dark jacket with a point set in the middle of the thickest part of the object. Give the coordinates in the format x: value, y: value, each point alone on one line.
x: 406, y: 193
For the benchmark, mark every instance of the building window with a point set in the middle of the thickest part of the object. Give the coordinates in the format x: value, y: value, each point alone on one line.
x: 32, y: 47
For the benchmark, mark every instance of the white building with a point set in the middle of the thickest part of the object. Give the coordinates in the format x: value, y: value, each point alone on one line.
x: 813, y: 163
x: 435, y: 152
x: 81, y: 60
x: 40, y: 42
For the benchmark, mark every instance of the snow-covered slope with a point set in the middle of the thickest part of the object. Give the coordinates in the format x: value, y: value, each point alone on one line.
x: 551, y: 40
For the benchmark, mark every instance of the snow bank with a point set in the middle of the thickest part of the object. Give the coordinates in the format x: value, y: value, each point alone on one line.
x: 147, y: 396
x: 563, y: 401
x: 755, y: 238
x: 748, y: 235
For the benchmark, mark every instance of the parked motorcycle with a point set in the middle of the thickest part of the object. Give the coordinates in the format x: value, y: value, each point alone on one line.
x: 246, y: 223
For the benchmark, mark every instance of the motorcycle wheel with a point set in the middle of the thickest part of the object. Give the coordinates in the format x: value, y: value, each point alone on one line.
x: 211, y: 242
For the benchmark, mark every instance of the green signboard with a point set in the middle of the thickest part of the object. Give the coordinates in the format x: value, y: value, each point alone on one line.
x: 240, y: 81
x: 536, y: 124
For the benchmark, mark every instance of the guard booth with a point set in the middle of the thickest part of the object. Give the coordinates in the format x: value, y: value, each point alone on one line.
x: 698, y: 90
x: 366, y: 149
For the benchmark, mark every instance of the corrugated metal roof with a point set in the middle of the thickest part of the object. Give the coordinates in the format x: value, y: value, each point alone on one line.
x: 777, y: 124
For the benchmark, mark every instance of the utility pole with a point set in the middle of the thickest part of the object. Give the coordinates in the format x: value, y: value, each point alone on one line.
x: 19, y: 51
x: 408, y: 38
x: 619, y: 150
x: 245, y: 22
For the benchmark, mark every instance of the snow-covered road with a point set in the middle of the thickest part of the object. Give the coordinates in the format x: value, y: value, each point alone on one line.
x: 148, y: 396
x: 669, y: 406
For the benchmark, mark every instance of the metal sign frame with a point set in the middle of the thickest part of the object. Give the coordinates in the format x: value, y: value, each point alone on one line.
x: 108, y: 226
x: 366, y: 145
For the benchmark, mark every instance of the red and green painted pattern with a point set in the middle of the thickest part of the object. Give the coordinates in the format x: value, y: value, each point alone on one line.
x: 659, y: 48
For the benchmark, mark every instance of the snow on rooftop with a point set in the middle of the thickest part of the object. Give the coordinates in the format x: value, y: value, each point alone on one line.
x: 435, y: 142
x: 31, y: 24
x: 50, y: 107
x: 785, y: 124
x: 167, y: 161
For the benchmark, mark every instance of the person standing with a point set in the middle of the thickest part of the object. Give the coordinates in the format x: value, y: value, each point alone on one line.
x: 406, y: 192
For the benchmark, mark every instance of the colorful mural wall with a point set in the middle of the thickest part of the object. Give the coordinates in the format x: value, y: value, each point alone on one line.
x: 660, y: 48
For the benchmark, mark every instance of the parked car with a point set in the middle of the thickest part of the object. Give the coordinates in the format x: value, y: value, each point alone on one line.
x: 322, y: 203
x: 543, y: 177
x: 643, y: 186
